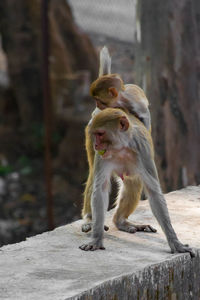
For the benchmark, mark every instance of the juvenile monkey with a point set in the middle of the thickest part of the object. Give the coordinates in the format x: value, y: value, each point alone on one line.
x: 124, y: 147
x: 110, y: 91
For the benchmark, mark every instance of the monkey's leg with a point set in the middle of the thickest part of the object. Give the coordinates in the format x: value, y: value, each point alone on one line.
x: 100, y: 199
x: 86, y: 211
x: 129, y: 198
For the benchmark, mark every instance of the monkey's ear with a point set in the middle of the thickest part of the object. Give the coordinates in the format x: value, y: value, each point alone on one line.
x: 113, y: 92
x: 123, y: 123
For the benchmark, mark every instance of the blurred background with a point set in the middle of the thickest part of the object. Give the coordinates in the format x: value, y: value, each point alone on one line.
x: 44, y: 107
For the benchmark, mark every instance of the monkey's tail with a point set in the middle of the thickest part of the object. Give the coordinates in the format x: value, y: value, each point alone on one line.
x: 105, y: 62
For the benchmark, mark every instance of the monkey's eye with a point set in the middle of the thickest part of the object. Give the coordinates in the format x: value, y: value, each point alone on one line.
x: 100, y: 101
x: 99, y: 133
x: 103, y: 103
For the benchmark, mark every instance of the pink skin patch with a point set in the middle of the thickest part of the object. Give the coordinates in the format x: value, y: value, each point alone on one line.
x: 99, y: 137
x: 121, y: 176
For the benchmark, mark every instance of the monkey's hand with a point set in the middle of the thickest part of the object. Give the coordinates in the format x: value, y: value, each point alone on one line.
x: 177, y: 246
x: 96, y: 244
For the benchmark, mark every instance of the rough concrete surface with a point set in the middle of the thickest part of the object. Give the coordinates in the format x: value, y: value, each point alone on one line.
x: 133, y: 266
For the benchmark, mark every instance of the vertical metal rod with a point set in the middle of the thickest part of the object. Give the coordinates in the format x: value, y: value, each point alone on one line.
x: 47, y: 112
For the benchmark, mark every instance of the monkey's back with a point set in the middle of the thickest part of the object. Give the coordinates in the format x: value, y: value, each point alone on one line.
x: 137, y: 93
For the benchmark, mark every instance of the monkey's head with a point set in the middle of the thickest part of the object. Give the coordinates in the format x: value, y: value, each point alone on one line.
x: 109, y: 131
x: 105, y: 90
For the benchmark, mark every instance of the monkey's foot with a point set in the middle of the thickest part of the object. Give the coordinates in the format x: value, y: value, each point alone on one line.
x: 86, y: 227
x: 92, y: 246
x: 132, y: 228
x: 177, y: 246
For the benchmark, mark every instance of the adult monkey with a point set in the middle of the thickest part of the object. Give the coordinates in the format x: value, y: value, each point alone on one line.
x: 110, y: 91
x: 124, y: 146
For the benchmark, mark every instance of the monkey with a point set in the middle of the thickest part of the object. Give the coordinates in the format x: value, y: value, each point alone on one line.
x: 124, y: 146
x: 110, y: 91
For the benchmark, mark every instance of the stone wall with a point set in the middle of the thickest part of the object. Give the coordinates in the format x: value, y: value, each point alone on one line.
x: 139, y: 266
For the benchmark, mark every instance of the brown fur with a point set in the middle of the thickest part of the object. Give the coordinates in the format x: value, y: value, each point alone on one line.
x: 100, y: 86
x: 128, y: 199
x: 128, y: 153
x: 100, y: 89
x: 135, y: 190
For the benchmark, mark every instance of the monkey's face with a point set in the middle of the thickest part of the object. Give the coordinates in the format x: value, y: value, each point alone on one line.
x: 102, y: 144
x: 108, y: 98
x: 110, y: 137
x: 100, y: 103
x: 105, y: 90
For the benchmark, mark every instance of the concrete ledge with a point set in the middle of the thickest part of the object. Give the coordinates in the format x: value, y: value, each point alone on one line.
x: 138, y: 266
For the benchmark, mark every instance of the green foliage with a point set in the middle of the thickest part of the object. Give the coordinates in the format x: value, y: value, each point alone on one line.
x: 25, y: 165
x: 23, y: 160
x: 5, y: 170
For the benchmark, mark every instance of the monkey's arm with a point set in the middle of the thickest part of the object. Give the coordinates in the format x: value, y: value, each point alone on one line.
x: 94, y: 113
x: 139, y: 108
x: 148, y: 173
x: 99, y: 203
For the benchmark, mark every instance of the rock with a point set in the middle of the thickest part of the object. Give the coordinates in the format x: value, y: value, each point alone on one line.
x: 138, y: 266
